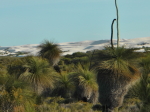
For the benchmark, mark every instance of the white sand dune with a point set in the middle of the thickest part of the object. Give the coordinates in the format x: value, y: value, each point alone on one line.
x: 71, y: 47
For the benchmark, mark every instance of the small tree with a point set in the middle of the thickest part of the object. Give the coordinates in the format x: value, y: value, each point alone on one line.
x: 38, y: 73
x: 85, y: 81
x: 64, y: 86
x: 50, y: 51
x: 115, y: 75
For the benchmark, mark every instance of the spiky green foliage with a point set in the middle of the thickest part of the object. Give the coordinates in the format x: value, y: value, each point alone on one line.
x: 50, y: 51
x: 38, y: 73
x: 86, y: 86
x: 115, y: 75
x: 64, y: 86
x: 120, y: 61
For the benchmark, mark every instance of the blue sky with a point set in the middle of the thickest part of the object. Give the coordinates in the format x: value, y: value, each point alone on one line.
x: 32, y: 21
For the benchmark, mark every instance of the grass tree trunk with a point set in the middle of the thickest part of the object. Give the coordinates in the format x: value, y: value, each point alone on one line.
x: 111, y: 89
x: 118, y: 35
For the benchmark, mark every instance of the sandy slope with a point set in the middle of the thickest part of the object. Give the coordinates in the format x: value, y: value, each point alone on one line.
x: 83, y: 46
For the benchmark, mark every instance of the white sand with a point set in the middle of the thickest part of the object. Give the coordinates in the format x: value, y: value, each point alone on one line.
x: 83, y: 46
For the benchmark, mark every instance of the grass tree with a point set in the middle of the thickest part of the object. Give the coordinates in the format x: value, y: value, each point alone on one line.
x: 38, y: 73
x: 64, y: 86
x: 86, y: 85
x: 115, y: 75
x: 50, y: 51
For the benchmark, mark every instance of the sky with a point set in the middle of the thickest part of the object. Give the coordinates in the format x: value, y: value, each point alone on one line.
x: 33, y: 21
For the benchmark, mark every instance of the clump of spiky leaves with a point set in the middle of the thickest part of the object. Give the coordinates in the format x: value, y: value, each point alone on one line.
x: 50, y: 51
x: 115, y: 75
x: 86, y: 85
x: 38, y: 73
x: 142, y: 89
x: 64, y: 86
